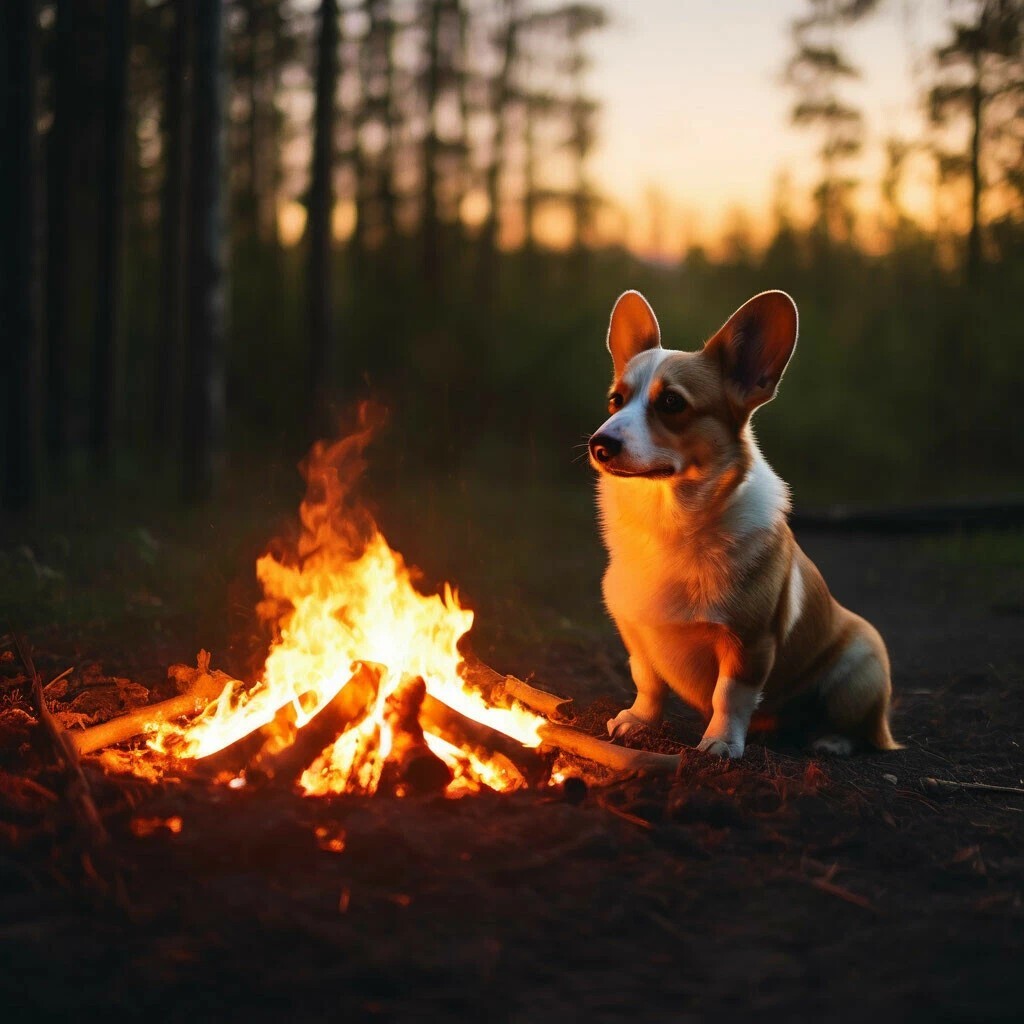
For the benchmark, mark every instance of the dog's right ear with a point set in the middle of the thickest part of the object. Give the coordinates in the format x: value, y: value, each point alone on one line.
x: 633, y: 328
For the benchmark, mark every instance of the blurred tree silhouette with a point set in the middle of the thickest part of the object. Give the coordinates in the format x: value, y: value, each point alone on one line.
x: 816, y: 71
x: 321, y: 206
x: 980, y: 81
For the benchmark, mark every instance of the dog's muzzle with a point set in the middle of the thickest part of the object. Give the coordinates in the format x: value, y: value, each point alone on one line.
x: 604, y: 447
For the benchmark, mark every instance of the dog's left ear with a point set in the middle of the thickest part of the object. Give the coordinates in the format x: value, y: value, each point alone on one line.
x: 633, y: 329
x: 754, y: 346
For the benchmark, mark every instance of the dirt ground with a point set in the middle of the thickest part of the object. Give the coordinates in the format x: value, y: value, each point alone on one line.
x: 784, y: 886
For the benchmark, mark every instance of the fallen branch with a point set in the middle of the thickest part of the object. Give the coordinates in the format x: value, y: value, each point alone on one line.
x: 205, y: 687
x: 984, y: 787
x: 454, y: 727
x: 608, y: 754
x: 77, y: 792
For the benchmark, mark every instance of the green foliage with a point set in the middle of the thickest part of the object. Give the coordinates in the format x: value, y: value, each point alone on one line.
x: 900, y: 386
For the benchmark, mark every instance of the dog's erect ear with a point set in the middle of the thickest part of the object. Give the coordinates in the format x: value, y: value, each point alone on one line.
x: 753, y: 347
x: 633, y: 329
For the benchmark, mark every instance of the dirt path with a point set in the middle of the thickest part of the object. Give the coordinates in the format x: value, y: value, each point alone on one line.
x: 790, y: 888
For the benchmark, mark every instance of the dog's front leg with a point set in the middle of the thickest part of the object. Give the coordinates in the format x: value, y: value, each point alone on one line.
x: 737, y: 694
x: 650, y: 699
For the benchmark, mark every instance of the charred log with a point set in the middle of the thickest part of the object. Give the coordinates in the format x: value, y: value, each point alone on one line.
x: 441, y: 720
x: 411, y: 765
x: 348, y: 708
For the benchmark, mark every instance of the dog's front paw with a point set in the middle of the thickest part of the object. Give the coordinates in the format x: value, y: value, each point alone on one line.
x: 624, y: 723
x: 719, y: 747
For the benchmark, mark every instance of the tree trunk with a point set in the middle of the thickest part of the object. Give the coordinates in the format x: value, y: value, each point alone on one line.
x: 375, y: 188
x: 19, y: 280
x: 321, y: 204
x: 460, y: 68
x: 103, y: 391
x: 60, y: 252
x: 386, y: 174
x: 172, y: 240
x: 431, y: 222
x: 977, y: 109
x: 530, y: 184
x: 495, y: 168
x: 265, y: 28
x: 203, y: 435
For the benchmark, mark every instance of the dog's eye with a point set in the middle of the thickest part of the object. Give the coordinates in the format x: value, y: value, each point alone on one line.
x: 615, y: 402
x: 671, y: 402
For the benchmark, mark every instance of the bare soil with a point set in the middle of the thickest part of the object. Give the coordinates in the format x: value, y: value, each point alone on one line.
x: 785, y: 886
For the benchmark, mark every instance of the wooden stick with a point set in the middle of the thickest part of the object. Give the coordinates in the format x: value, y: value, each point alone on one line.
x: 451, y: 725
x: 563, y: 736
x: 608, y: 754
x: 348, y: 707
x: 983, y: 787
x: 556, y: 709
x: 205, y: 687
x: 496, y: 686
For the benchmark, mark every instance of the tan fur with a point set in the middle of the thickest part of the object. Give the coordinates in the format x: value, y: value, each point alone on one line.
x: 711, y: 593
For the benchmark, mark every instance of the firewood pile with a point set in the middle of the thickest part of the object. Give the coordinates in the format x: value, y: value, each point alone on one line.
x: 64, y: 748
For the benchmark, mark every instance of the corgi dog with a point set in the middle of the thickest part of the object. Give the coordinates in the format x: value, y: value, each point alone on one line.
x: 712, y: 596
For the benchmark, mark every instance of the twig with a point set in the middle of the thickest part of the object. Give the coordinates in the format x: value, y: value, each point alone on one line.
x: 78, y: 792
x: 633, y: 819
x: 844, y: 894
x: 63, y: 675
x: 930, y: 783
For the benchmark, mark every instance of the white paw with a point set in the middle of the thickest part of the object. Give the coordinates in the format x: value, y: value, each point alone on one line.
x: 719, y: 747
x: 837, y: 746
x: 624, y: 723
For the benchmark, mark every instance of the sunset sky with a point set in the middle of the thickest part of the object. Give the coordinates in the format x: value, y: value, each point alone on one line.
x: 694, y: 106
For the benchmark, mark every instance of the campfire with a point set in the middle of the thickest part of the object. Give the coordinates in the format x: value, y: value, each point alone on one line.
x: 366, y: 686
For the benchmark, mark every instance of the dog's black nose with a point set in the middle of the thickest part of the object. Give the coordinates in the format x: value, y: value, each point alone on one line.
x: 604, y: 447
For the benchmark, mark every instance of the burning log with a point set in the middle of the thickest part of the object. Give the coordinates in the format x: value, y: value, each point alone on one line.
x: 203, y: 687
x: 349, y: 707
x: 413, y: 761
x: 441, y: 720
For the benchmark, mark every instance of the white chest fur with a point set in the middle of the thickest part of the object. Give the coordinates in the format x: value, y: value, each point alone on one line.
x: 667, y: 564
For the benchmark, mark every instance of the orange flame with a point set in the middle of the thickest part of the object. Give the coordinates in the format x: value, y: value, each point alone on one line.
x: 347, y: 597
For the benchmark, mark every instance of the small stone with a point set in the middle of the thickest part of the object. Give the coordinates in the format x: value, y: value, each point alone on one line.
x: 891, y: 779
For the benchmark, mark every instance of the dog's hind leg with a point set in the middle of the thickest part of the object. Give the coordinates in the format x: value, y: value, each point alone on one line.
x: 855, y: 696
